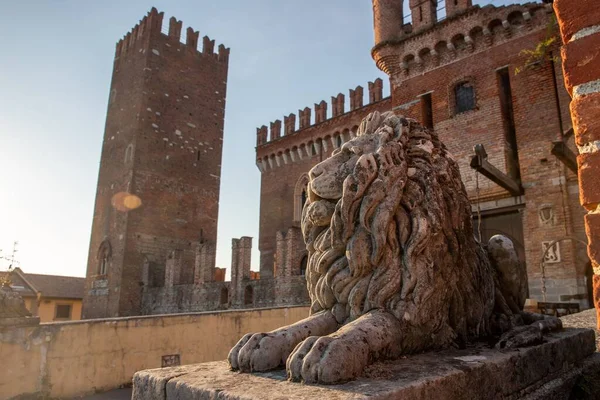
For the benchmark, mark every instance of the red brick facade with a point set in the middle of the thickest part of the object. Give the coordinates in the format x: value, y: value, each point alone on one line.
x: 517, y: 117
x: 162, y: 146
x: 580, y: 30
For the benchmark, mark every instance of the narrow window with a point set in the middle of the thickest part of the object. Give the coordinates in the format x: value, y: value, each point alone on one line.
x: 103, y: 266
x: 314, y: 150
x: 508, y: 122
x: 248, y: 295
x: 129, y: 154
x: 427, y: 111
x: 339, y: 140
x: 464, y: 96
x: 103, y: 257
x: 198, y: 155
x: 224, y: 296
x: 420, y: 13
x: 62, y: 311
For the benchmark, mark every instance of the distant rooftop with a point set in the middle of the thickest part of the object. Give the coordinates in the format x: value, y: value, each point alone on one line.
x: 66, y: 287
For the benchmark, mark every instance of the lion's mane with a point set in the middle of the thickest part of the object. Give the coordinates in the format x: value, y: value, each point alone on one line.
x: 400, y: 238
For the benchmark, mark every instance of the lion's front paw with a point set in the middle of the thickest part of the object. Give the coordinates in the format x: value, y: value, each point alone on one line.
x: 520, y: 336
x: 259, y: 352
x: 327, y: 360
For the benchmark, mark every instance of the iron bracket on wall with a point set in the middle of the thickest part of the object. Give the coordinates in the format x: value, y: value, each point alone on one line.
x: 480, y: 163
x: 564, y: 153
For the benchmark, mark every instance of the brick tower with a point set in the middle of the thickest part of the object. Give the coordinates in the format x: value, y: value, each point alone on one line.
x: 157, y: 198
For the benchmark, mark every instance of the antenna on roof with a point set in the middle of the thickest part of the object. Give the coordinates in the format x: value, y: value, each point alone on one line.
x: 11, y: 259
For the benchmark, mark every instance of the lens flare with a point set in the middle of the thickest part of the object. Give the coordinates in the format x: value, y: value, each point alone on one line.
x: 124, y: 201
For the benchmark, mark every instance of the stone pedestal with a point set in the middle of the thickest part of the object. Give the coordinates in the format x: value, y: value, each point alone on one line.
x: 553, y: 370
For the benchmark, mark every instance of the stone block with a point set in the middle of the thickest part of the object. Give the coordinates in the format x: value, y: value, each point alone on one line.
x: 585, y: 113
x: 589, y: 179
x: 574, y: 16
x: 581, y: 61
x: 596, y: 296
x: 477, y: 372
x: 592, y: 230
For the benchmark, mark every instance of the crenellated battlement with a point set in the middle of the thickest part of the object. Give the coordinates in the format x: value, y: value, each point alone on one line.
x: 152, y: 24
x: 264, y: 136
x: 404, y: 51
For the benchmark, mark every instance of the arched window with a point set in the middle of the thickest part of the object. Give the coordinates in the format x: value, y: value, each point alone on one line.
x: 248, y: 295
x: 464, y: 97
x: 338, y: 141
x: 224, y: 296
x: 300, y: 196
x: 104, y: 255
x: 129, y: 154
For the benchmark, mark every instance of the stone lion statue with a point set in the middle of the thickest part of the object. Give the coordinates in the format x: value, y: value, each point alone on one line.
x: 393, y: 266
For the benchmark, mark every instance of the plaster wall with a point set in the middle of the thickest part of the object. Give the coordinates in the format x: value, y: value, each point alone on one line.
x: 67, y: 359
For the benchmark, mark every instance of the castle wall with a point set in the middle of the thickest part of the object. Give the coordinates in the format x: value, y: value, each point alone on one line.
x: 474, y: 47
x: 162, y: 148
x: 267, y: 292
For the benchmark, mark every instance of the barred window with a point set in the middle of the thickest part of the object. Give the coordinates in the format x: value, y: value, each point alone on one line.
x: 464, y: 97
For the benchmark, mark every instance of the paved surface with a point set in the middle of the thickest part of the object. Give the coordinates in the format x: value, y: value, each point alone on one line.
x: 117, y: 394
x: 584, y: 319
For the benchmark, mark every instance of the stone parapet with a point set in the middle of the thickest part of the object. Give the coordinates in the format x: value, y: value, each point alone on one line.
x: 474, y: 373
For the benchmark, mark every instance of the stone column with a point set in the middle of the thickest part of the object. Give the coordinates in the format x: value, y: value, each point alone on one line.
x: 204, y: 268
x: 579, y: 23
x: 173, y: 268
x: 240, y: 267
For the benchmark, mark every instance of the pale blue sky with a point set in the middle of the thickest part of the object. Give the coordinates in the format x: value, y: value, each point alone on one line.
x: 56, y: 65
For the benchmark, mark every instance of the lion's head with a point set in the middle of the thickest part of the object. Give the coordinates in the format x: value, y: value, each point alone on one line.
x: 388, y: 225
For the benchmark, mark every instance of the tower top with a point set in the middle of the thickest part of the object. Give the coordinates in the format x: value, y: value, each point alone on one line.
x: 152, y: 24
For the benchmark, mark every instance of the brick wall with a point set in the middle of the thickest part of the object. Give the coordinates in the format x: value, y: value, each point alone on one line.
x: 580, y: 30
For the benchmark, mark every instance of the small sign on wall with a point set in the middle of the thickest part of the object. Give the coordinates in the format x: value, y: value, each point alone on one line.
x: 170, y: 360
x: 552, y: 254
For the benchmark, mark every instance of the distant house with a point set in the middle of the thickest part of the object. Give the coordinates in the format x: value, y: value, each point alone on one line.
x: 51, y: 297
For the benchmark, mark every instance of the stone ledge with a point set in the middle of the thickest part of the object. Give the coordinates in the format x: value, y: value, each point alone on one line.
x: 476, y: 372
x: 18, y: 322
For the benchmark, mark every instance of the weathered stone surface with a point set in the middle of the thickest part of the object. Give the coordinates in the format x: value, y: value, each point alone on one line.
x: 476, y: 372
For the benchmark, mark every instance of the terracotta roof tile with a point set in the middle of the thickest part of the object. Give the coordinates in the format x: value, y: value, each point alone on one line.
x: 68, y: 287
